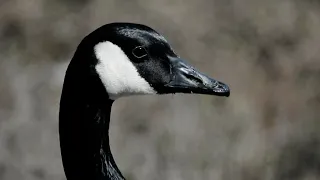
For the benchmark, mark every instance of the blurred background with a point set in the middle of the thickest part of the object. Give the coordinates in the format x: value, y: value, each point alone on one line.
x: 268, y: 52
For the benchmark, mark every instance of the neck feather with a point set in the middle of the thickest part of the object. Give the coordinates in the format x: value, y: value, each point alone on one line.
x: 83, y: 127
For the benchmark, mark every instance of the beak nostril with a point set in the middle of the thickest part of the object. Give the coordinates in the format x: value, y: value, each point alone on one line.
x: 194, y: 78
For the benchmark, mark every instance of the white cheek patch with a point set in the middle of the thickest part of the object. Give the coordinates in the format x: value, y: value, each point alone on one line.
x: 117, y: 73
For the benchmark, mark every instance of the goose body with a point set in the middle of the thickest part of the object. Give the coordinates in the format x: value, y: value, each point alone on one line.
x: 116, y: 60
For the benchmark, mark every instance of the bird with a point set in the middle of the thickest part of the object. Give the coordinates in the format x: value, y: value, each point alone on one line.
x: 116, y: 60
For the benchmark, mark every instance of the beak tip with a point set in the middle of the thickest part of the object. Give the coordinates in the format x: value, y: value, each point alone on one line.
x: 227, y: 93
x: 226, y: 89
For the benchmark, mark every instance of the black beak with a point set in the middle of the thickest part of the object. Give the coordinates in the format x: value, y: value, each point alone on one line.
x: 186, y: 79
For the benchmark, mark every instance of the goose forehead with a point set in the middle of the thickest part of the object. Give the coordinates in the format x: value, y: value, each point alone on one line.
x: 143, y: 35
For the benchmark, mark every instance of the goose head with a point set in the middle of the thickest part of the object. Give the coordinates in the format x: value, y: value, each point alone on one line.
x: 133, y: 59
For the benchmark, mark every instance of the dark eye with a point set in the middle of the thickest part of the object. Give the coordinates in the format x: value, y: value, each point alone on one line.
x: 139, y: 52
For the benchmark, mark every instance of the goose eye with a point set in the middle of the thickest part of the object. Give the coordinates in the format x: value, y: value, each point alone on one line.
x: 139, y: 52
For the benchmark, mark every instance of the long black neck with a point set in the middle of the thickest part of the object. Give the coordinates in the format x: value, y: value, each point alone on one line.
x: 83, y: 127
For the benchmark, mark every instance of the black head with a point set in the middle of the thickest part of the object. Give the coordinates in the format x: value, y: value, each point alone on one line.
x: 135, y: 59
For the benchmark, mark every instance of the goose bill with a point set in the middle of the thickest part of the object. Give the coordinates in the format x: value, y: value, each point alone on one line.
x: 186, y: 79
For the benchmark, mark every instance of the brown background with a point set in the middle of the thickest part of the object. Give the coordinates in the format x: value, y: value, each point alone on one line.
x: 267, y: 51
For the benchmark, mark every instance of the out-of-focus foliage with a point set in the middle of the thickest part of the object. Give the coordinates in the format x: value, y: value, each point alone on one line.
x: 267, y: 51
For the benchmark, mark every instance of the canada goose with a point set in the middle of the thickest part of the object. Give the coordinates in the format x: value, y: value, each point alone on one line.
x: 116, y: 60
